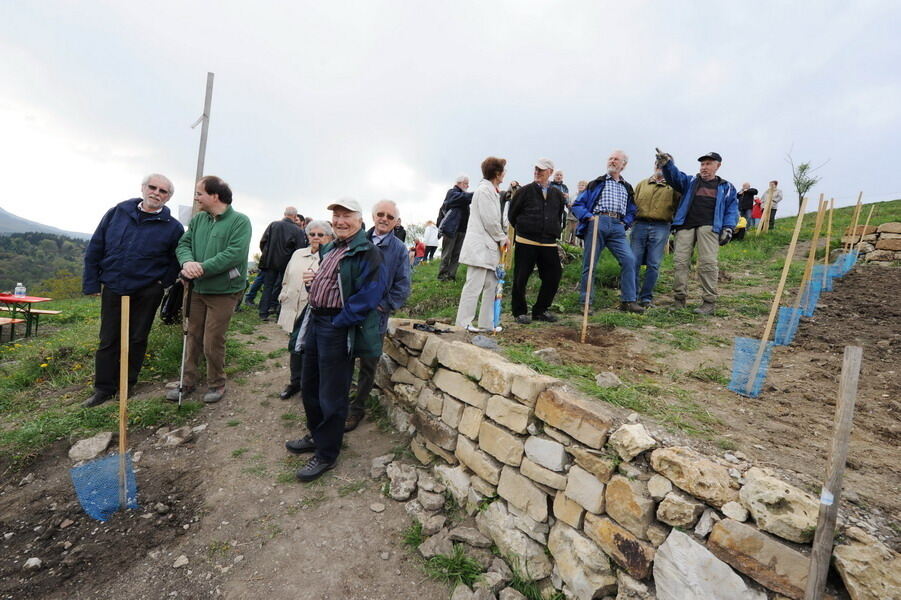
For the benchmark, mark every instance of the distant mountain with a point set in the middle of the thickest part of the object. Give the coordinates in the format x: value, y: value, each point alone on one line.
x: 10, y: 223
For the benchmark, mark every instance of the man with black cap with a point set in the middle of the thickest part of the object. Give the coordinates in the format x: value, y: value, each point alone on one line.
x: 536, y: 213
x: 705, y: 218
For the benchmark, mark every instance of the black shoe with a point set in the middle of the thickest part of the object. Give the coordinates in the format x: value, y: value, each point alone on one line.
x: 304, y: 444
x: 353, y: 420
x: 545, y: 316
x: 97, y: 399
x: 264, y: 318
x: 523, y: 319
x: 289, y: 391
x: 315, y: 469
x: 632, y: 307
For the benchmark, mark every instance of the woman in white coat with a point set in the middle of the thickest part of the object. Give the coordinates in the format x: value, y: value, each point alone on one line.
x: 430, y: 239
x: 294, y: 295
x: 481, y: 248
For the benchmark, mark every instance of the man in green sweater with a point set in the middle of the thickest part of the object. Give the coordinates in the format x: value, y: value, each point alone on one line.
x: 656, y: 203
x: 213, y: 255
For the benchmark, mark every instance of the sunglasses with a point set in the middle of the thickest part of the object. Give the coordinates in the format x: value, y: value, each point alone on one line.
x: 154, y: 188
x: 384, y: 215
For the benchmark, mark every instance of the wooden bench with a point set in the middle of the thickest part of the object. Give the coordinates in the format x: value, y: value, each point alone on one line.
x: 12, y: 326
x: 34, y: 314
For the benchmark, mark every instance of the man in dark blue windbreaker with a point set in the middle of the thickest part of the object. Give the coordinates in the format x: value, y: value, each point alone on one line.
x: 132, y: 253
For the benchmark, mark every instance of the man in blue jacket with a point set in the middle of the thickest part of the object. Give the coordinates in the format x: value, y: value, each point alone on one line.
x: 705, y: 218
x: 132, y: 253
x: 396, y: 263
x: 452, y: 220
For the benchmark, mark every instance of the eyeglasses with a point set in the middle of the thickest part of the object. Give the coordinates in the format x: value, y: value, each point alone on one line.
x: 384, y: 215
x: 317, y: 234
x: 154, y: 188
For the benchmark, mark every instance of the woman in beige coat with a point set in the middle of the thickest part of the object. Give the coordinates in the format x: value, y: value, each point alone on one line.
x: 481, y: 248
x: 294, y: 295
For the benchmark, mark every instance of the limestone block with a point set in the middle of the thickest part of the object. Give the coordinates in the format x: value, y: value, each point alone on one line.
x: 580, y: 563
x: 708, y: 519
x: 400, y: 419
x: 630, y: 553
x: 659, y: 486
x: 629, y: 588
x: 452, y: 412
x: 460, y: 387
x: 679, y: 510
x: 478, y: 462
x: 465, y: 358
x: 870, y: 570
x: 470, y: 422
x: 495, y: 522
x: 526, y: 389
x: 434, y: 430
x: 629, y: 504
x: 500, y: 443
x: 91, y: 447
x: 520, y: 492
x: 417, y: 447
x: 876, y: 255
x: 657, y: 533
x: 480, y: 485
x: 417, y: 368
x: 601, y: 465
x: 541, y: 475
x: 498, y: 375
x: 892, y: 227
x: 683, y: 568
x: 403, y: 375
x: 537, y: 530
x: 430, y: 400
x: 456, y: 479
x: 778, y: 507
x: 547, y: 453
x: 889, y: 244
x: 411, y: 338
x: 403, y: 480
x: 760, y: 557
x: 568, y: 511
x: 556, y: 435
x: 695, y: 474
x: 573, y: 413
x: 512, y: 415
x: 630, y: 440
x: 435, y: 545
x: 446, y: 456
x: 889, y: 236
x: 429, y: 355
x: 585, y: 489
x: 736, y: 511
x: 397, y: 354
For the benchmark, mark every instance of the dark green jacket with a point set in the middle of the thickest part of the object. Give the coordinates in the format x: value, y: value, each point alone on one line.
x: 221, y: 245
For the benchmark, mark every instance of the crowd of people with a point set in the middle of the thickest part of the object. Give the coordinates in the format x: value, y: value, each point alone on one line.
x: 332, y: 285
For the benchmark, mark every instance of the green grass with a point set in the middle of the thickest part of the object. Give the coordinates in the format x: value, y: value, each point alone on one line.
x: 237, y: 453
x: 710, y: 374
x: 412, y: 536
x: 352, y: 488
x: 454, y: 569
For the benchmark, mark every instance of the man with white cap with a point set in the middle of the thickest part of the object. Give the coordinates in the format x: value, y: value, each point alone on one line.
x: 341, y: 324
x: 536, y: 212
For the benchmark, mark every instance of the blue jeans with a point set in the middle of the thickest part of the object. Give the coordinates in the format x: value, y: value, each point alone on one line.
x: 612, y: 234
x: 327, y: 370
x: 648, y: 240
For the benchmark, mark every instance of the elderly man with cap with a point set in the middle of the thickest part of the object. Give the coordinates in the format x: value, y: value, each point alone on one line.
x: 705, y: 218
x: 342, y: 323
x: 536, y: 213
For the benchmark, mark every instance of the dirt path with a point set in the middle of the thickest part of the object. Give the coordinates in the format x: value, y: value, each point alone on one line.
x: 247, y: 528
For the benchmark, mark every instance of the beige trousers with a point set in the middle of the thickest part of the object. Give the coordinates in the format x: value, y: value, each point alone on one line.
x: 708, y: 246
x: 482, y: 282
x: 207, y: 324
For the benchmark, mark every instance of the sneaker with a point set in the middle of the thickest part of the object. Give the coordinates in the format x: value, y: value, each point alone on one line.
x: 472, y: 329
x: 523, y: 319
x: 304, y: 444
x: 678, y: 302
x: 172, y: 393
x: 315, y: 469
x: 289, y: 391
x: 214, y: 394
x: 353, y: 420
x: 97, y: 399
x: 632, y: 307
x: 545, y: 316
x: 706, y: 308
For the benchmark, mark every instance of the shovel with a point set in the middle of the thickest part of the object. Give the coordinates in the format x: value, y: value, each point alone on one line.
x: 108, y: 484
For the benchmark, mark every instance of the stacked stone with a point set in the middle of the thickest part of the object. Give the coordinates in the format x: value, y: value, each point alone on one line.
x: 880, y: 244
x: 585, y: 500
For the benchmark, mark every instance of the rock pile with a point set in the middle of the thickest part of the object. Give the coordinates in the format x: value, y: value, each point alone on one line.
x: 583, y: 500
x: 880, y: 244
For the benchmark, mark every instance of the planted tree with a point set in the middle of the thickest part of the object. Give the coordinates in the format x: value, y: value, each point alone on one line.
x: 803, y: 177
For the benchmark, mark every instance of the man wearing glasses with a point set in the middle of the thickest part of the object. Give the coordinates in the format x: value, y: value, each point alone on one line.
x: 132, y: 253
x: 385, y: 216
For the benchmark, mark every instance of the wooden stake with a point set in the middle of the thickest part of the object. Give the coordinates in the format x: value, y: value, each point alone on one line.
x: 856, y: 217
x: 204, y: 130
x: 831, y: 493
x: 594, y: 242
x: 774, y: 309
x: 811, y: 255
x: 865, y: 225
x: 764, y: 224
x: 828, y: 240
x: 508, y: 258
x: 123, y: 399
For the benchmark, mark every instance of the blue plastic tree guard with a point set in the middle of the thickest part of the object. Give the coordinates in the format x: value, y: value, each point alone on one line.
x: 97, y: 486
x: 811, y: 297
x: 786, y: 325
x: 744, y: 352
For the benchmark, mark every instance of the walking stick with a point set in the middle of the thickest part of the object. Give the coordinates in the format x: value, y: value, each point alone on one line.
x: 123, y: 399
x: 594, y: 241
x: 186, y: 305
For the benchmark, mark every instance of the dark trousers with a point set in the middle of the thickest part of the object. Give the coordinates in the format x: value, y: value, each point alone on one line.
x: 142, y: 310
x: 272, y: 287
x: 365, y: 381
x: 772, y: 217
x: 251, y: 294
x: 327, y: 371
x: 295, y: 363
x: 430, y: 253
x: 526, y: 258
x: 450, y: 254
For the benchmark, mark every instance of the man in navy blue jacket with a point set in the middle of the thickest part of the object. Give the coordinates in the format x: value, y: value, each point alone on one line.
x: 396, y: 263
x: 132, y: 253
x: 452, y: 220
x: 705, y: 218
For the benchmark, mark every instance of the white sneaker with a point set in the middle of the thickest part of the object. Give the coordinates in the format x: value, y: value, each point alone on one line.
x: 472, y: 329
x: 498, y: 329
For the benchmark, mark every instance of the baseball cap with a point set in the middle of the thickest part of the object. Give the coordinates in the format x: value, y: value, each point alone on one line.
x: 711, y: 156
x: 544, y: 163
x: 347, y: 204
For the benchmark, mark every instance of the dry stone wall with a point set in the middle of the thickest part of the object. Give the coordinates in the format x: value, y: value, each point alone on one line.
x: 588, y: 500
x: 876, y: 244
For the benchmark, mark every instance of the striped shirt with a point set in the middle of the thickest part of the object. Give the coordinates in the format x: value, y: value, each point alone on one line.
x: 324, y: 290
x: 614, y: 197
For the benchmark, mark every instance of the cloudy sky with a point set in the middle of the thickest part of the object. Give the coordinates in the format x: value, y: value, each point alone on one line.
x: 392, y: 99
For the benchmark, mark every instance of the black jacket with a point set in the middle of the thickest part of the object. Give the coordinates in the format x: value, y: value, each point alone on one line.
x: 279, y: 242
x: 746, y: 199
x: 535, y: 217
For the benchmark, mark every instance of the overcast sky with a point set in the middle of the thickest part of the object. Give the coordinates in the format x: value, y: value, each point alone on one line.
x: 319, y: 100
